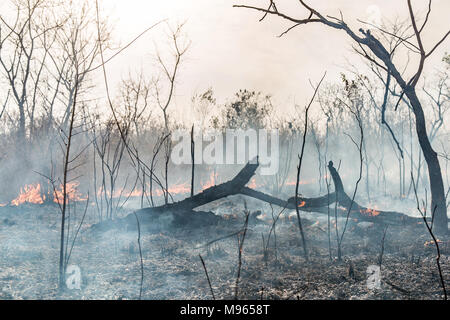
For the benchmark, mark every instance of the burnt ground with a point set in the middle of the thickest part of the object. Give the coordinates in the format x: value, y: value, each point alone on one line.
x: 110, y: 261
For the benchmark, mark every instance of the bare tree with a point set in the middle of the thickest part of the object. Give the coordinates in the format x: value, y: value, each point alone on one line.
x: 164, y: 92
x: 80, y: 52
x: 24, y: 47
x: 318, y: 143
x: 135, y: 99
x: 373, y: 49
x: 137, y: 162
x: 70, y: 61
x: 66, y: 169
x: 110, y: 150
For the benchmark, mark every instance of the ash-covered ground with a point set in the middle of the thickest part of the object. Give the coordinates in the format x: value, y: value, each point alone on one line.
x: 111, y: 267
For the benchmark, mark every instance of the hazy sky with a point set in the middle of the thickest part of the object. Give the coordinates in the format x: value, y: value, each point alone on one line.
x: 231, y: 50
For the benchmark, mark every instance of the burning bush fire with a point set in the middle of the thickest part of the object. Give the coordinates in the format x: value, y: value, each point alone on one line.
x: 33, y: 194
x: 222, y: 162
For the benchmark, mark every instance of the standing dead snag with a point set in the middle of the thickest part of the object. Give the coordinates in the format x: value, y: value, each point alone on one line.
x: 378, y: 54
x: 164, y: 99
x: 62, y: 265
x: 299, y: 167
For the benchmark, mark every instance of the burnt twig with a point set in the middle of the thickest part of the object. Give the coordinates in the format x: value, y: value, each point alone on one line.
x: 380, y: 257
x: 241, y: 246
x: 207, y: 277
x: 140, y: 253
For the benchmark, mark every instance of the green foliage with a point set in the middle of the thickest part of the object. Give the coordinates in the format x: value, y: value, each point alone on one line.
x: 249, y: 109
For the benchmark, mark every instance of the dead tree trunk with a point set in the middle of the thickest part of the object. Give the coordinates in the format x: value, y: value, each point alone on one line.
x: 182, y: 213
x: 372, y: 49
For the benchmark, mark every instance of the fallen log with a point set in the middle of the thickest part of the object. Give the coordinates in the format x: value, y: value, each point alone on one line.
x: 305, y: 204
x: 320, y: 204
x: 345, y: 202
x: 182, y: 213
x: 364, y: 213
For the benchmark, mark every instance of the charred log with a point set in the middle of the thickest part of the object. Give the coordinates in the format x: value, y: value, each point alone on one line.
x: 182, y: 213
x: 344, y: 201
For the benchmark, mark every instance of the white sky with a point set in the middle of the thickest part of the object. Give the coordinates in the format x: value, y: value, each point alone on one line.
x: 231, y: 50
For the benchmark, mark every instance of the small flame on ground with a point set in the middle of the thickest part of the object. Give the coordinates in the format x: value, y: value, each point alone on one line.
x: 72, y: 193
x: 370, y: 212
x: 252, y: 184
x: 294, y: 182
x: 431, y: 242
x: 179, y: 188
x: 263, y: 216
x: 32, y: 194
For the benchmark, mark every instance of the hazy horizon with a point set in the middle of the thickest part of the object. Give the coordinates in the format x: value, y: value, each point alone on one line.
x: 232, y: 50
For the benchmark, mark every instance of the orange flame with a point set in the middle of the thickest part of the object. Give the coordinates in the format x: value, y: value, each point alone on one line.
x: 431, y: 242
x: 72, y: 193
x: 252, y: 184
x: 294, y: 182
x: 175, y: 189
x: 302, y: 204
x: 32, y: 194
x: 180, y: 188
x: 370, y: 212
